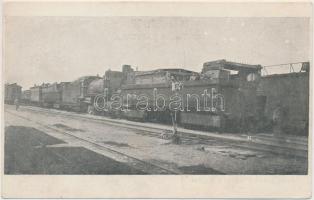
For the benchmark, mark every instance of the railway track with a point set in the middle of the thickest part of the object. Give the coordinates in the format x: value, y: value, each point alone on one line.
x: 145, y: 166
x: 281, y: 148
x: 258, y: 143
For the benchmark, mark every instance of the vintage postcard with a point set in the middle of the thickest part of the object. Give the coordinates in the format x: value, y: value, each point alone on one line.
x: 129, y: 99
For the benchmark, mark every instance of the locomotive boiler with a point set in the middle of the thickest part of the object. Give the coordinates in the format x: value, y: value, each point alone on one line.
x: 74, y: 94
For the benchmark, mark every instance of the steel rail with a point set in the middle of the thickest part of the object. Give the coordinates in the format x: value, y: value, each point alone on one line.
x: 156, y: 132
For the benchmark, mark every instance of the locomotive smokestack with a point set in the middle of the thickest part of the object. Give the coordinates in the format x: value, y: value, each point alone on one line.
x: 127, y: 68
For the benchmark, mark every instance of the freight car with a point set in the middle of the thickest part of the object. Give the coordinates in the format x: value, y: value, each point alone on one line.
x: 12, y: 92
x: 36, y: 95
x: 52, y: 95
x: 26, y: 97
x: 290, y: 92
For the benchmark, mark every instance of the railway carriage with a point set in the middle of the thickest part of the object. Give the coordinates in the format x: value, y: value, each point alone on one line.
x: 51, y: 95
x: 12, y: 92
x: 290, y: 91
x: 26, y: 96
x: 36, y: 95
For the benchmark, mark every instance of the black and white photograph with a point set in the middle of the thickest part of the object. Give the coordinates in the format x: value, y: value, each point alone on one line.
x: 156, y: 95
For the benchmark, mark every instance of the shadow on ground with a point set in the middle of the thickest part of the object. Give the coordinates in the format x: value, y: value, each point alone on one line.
x: 26, y: 152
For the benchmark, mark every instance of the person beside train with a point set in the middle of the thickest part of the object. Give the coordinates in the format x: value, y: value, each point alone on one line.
x: 16, y: 103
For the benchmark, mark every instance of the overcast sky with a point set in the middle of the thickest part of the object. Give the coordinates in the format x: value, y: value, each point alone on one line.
x: 54, y: 49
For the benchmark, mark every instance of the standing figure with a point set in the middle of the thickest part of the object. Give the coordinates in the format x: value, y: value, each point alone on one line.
x: 175, y: 88
x: 16, y: 103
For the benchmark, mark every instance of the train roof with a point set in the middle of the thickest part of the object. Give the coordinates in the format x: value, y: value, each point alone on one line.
x: 114, y: 72
x: 41, y: 85
x: 223, y: 64
x: 293, y: 74
x: 12, y: 84
x: 35, y: 86
x: 171, y: 70
x: 86, y: 77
